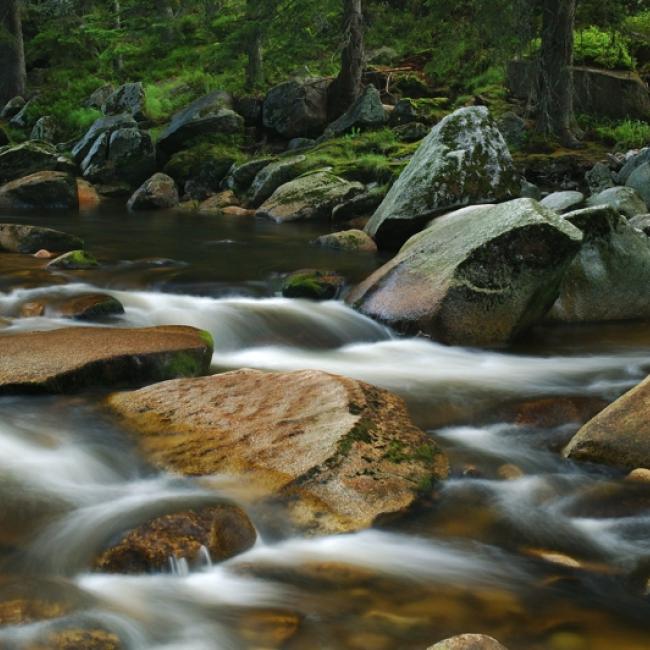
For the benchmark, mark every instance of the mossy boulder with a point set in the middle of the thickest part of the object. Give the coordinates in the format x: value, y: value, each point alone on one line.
x: 20, y: 160
x: 275, y: 174
x: 19, y: 238
x: 311, y: 196
x: 609, y: 279
x: 351, y: 241
x: 128, y: 98
x: 46, y: 129
x: 206, y: 164
x: 76, y: 358
x: 224, y: 530
x: 333, y: 453
x: 74, y: 261
x: 479, y: 276
x: 618, y: 436
x: 157, y: 193
x: 464, y: 160
x: 313, y: 284
x: 242, y: 175
x: 44, y: 190
x: 209, y: 115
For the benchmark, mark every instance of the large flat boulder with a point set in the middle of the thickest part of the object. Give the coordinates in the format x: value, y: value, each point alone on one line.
x: 609, y: 279
x: 610, y: 93
x: 22, y: 238
x: 45, y: 190
x: 479, y: 276
x: 73, y: 358
x: 312, y: 196
x: 619, y: 435
x: 464, y: 160
x: 19, y: 160
x: 338, y: 454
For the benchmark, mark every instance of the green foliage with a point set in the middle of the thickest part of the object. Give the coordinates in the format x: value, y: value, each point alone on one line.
x: 605, y: 49
x: 628, y: 134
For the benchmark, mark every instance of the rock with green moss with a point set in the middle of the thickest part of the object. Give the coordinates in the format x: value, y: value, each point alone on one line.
x: 74, y: 261
x: 360, y: 205
x: 78, y: 358
x: 19, y: 160
x: 45, y: 129
x: 367, y: 112
x: 205, y: 164
x: 313, y: 284
x: 275, y: 174
x: 241, y: 176
x: 23, y: 238
x: 311, y: 196
x: 468, y: 642
x: 412, y: 132
x: 157, y: 193
x: 463, y: 160
x: 351, y: 241
x: 208, y: 115
x: 609, y: 279
x: 479, y: 276
x: 317, y: 445
x: 46, y: 190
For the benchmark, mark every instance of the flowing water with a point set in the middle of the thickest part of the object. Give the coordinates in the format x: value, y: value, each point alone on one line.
x: 489, y: 553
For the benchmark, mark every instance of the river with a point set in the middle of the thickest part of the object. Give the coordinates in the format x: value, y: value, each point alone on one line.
x: 546, y: 559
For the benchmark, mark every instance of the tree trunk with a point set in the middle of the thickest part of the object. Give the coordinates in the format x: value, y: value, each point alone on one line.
x: 555, y: 82
x: 119, y: 61
x: 12, y: 53
x: 348, y: 84
x: 255, y: 37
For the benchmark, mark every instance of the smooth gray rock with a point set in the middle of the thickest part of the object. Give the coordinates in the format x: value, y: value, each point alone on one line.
x: 240, y: 177
x: 463, y: 160
x: 600, y: 177
x: 639, y: 180
x: 609, y: 279
x: 367, y: 112
x: 632, y: 162
x: 641, y: 222
x: 272, y: 176
x: 100, y: 126
x: 530, y: 191
x: 478, y: 276
x: 624, y: 199
x: 563, y: 201
x: 129, y: 98
x: 158, y: 192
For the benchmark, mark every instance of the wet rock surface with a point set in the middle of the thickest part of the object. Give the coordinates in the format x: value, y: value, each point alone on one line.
x: 18, y: 238
x: 46, y: 190
x: 339, y: 454
x: 71, y: 359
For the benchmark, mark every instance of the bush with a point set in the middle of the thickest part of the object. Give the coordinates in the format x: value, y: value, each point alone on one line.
x: 604, y: 49
x: 628, y: 134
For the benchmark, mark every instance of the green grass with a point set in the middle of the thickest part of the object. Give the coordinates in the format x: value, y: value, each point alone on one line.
x: 626, y: 134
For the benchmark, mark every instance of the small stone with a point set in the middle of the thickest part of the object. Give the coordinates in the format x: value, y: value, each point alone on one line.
x: 73, y: 261
x: 313, y: 284
x: 348, y: 240
x: 639, y: 475
x: 44, y: 254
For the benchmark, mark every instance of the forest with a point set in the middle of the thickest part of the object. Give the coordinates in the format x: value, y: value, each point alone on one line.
x: 324, y: 325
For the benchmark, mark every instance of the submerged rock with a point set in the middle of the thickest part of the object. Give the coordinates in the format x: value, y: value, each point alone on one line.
x: 313, y: 285
x: 468, y: 642
x: 463, y: 160
x: 348, y: 240
x: 88, y: 307
x: 20, y: 160
x: 45, y: 190
x: 338, y: 454
x: 74, y: 358
x: 223, y: 530
x: 478, y: 276
x: 19, y: 238
x: 609, y: 279
x: 74, y: 261
x: 619, y: 435
x: 297, y: 108
x: 157, y: 193
x: 312, y: 196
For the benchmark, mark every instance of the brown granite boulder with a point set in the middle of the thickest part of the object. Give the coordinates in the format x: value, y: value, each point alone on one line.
x: 44, y: 190
x: 338, y: 454
x: 76, y: 357
x: 619, y: 435
x: 224, y: 530
x: 157, y: 193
